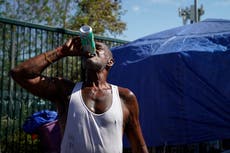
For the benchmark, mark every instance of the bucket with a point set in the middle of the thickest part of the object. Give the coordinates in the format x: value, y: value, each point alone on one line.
x: 50, y: 137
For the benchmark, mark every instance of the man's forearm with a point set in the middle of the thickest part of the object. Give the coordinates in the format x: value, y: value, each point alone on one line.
x: 35, y: 66
x: 140, y: 149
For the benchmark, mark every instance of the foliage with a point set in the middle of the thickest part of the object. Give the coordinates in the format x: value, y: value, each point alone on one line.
x: 103, y: 15
x: 19, y: 142
x: 98, y: 14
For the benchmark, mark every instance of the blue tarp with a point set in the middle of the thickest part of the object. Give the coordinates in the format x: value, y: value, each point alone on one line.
x: 36, y: 120
x: 181, y: 78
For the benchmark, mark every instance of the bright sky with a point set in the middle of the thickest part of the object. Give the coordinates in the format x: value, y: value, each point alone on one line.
x: 144, y: 17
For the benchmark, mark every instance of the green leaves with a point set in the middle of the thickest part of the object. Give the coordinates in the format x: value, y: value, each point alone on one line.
x: 102, y: 15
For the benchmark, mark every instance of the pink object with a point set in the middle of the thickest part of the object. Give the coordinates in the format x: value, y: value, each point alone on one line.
x: 50, y: 137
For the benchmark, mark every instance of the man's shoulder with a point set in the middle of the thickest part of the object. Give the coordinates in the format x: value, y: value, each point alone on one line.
x: 129, y: 100
x: 126, y: 94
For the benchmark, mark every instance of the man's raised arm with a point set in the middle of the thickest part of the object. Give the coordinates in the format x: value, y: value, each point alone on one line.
x: 28, y: 74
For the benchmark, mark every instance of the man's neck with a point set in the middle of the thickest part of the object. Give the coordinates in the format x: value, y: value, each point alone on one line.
x: 97, y: 80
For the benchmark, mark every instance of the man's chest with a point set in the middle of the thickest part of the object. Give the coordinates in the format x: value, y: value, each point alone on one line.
x: 97, y: 101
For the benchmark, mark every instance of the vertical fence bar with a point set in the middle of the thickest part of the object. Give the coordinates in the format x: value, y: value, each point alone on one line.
x: 17, y: 93
x: 2, y: 90
x: 27, y: 99
x: 26, y: 95
x: 8, y: 97
x: 59, y: 61
x: 52, y: 45
x: 12, y: 86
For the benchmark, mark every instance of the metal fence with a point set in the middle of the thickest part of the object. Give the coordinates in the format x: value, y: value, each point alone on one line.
x: 20, y: 41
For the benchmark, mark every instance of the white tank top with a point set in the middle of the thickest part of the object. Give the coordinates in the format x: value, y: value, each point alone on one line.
x: 87, y: 132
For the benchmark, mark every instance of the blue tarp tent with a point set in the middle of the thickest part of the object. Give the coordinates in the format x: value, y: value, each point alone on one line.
x: 181, y: 78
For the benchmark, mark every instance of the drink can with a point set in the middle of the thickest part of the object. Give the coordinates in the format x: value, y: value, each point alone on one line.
x: 87, y: 39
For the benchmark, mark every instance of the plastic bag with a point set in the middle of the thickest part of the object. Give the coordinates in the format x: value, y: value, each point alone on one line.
x: 38, y: 119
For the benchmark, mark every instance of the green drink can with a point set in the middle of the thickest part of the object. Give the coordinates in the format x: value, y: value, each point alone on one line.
x: 87, y: 39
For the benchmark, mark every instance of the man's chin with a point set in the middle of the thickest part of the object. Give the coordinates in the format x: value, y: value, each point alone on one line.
x: 92, y: 67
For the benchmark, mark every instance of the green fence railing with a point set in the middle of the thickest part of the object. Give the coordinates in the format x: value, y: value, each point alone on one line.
x: 20, y: 41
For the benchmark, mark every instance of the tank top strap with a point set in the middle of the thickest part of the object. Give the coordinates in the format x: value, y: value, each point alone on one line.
x: 115, y: 91
x: 116, y: 96
x: 77, y: 87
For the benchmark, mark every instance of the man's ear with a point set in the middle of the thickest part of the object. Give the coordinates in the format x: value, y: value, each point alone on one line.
x: 110, y: 62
